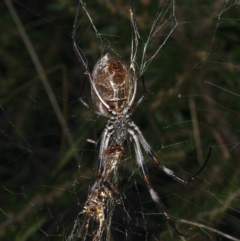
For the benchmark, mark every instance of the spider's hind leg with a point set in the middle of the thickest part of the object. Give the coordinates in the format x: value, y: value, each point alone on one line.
x: 142, y: 98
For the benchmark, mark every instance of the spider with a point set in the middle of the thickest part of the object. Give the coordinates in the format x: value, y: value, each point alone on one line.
x: 113, y: 91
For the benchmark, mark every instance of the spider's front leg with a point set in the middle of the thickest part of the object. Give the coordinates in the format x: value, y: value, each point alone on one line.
x: 143, y: 171
x: 169, y: 172
x: 103, y: 147
x: 104, y: 191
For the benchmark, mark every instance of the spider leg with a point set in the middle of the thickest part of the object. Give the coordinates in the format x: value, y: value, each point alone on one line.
x: 169, y: 172
x: 103, y: 146
x: 83, y: 4
x: 85, y: 104
x: 101, y: 173
x: 136, y: 35
x: 134, y: 49
x: 142, y: 98
x: 81, y: 56
x: 143, y: 171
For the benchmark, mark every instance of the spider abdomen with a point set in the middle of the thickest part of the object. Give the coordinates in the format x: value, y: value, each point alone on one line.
x: 112, y: 80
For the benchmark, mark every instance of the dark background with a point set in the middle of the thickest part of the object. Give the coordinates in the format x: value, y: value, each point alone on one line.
x: 44, y: 181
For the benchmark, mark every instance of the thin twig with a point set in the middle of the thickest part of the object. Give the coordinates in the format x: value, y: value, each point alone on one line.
x: 209, y: 228
x: 196, y: 131
x: 41, y: 74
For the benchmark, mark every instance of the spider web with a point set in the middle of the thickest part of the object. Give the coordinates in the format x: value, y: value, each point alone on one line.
x: 192, y: 104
